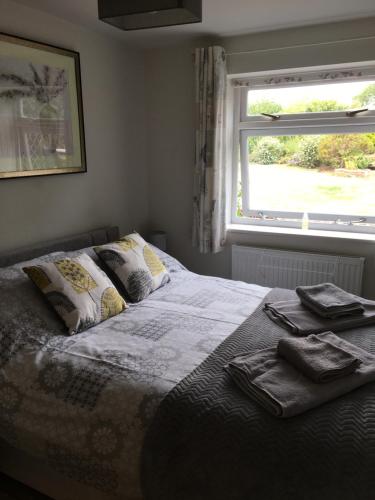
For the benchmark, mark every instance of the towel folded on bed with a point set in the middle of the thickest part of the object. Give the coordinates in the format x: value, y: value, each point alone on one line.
x: 298, y: 319
x: 329, y: 301
x: 319, y: 359
x: 283, y: 390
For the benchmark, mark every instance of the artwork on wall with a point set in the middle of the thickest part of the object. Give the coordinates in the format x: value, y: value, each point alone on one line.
x: 41, y: 116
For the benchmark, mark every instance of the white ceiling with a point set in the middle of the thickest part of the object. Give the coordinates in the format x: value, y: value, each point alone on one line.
x: 220, y: 17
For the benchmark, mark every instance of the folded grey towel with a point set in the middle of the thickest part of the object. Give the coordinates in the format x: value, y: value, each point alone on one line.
x: 283, y: 390
x: 329, y: 301
x: 317, y: 358
x: 298, y: 319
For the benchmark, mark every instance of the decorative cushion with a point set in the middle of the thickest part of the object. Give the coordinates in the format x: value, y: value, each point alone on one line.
x: 137, y: 267
x: 79, y: 291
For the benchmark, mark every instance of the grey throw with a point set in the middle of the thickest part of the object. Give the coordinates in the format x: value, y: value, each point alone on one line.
x: 329, y: 301
x: 285, y: 391
x: 322, y: 358
x: 299, y: 320
x: 209, y: 441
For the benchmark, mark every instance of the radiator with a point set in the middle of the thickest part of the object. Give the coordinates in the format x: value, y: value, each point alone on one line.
x: 285, y: 269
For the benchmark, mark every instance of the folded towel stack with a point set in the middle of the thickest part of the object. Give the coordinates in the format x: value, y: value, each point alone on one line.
x: 321, y: 308
x: 288, y: 388
x: 301, y: 373
x: 329, y: 301
x: 299, y: 320
x: 317, y: 358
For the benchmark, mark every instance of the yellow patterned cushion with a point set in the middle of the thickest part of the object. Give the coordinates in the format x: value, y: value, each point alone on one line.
x: 80, y: 292
x: 137, y: 267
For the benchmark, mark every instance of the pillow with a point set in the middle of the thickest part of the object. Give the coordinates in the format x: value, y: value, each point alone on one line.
x: 82, y: 294
x: 137, y: 267
x: 172, y: 265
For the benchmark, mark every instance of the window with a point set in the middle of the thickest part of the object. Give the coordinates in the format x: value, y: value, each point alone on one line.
x: 305, y: 148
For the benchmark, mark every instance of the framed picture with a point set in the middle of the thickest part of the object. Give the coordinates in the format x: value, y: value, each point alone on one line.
x: 41, y: 116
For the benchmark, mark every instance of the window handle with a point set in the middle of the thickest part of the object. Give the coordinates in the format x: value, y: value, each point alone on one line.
x: 355, y: 112
x: 263, y: 216
x: 361, y: 220
x: 273, y: 117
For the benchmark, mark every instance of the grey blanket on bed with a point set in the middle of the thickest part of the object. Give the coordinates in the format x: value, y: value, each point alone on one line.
x: 209, y: 441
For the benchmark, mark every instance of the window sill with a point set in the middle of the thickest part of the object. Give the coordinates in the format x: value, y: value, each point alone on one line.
x: 242, y: 228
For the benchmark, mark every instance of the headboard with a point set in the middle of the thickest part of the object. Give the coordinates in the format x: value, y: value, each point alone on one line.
x: 70, y: 243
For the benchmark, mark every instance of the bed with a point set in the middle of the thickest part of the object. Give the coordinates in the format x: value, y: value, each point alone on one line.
x: 74, y: 411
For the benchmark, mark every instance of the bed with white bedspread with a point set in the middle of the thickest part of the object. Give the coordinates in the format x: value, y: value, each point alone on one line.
x: 81, y: 405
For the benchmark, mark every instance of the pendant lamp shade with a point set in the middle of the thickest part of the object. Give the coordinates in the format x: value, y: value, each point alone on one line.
x: 143, y: 14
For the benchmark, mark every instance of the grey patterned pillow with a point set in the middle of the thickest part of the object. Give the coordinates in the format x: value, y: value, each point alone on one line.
x: 79, y: 291
x: 172, y: 265
x: 137, y: 267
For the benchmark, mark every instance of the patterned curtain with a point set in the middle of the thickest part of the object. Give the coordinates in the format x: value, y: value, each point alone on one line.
x: 209, y: 175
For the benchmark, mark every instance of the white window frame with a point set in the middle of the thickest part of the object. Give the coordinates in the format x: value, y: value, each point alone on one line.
x: 331, y: 122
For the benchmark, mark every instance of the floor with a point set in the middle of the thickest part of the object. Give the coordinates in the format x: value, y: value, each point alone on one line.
x: 13, y: 490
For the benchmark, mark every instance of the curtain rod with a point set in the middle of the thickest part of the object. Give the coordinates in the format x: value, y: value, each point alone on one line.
x: 314, y: 44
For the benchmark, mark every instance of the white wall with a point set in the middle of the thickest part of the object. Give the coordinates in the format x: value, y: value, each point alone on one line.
x: 170, y: 90
x: 335, y: 52
x: 114, y: 190
x: 140, y: 162
x: 171, y: 112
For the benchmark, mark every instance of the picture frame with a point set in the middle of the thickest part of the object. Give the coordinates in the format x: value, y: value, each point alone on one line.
x: 41, y: 110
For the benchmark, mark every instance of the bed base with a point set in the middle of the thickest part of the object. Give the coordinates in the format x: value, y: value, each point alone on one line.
x: 36, y: 474
x: 70, y: 243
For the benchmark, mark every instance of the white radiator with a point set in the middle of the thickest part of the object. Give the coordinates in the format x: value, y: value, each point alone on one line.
x: 284, y: 269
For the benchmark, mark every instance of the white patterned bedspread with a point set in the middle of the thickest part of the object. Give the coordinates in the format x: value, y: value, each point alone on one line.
x: 83, y: 403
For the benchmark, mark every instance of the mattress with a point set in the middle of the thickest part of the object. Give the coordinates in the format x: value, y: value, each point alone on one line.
x: 81, y: 405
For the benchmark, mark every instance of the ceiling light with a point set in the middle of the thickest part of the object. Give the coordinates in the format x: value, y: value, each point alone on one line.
x: 143, y: 14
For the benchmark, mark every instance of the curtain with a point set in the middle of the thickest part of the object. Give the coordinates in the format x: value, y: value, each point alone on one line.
x: 209, y: 174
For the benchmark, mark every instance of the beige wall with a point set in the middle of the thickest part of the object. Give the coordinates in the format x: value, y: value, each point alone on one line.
x: 114, y: 190
x: 171, y: 133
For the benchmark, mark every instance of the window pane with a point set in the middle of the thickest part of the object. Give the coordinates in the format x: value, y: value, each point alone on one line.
x: 312, y: 98
x: 326, y: 174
